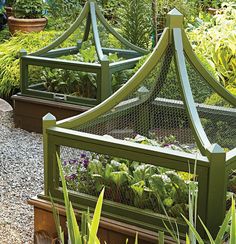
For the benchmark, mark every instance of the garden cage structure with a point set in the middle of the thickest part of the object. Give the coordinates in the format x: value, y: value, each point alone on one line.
x: 167, y: 96
x: 82, y: 82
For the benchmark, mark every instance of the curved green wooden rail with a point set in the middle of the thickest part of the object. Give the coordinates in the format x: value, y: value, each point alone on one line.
x: 66, y: 34
x: 91, y: 12
x: 200, y: 135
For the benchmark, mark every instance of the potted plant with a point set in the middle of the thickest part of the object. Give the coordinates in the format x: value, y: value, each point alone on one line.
x: 8, y: 7
x: 28, y: 16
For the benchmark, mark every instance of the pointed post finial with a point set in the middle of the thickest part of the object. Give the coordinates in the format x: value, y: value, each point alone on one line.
x: 174, y: 19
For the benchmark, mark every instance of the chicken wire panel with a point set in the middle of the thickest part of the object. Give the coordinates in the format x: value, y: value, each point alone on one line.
x: 128, y: 182
x: 63, y: 81
x: 154, y: 109
x: 218, y: 117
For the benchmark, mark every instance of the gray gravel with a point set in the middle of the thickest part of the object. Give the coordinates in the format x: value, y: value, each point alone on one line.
x: 21, y: 177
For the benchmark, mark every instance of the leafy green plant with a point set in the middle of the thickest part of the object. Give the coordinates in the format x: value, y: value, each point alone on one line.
x: 28, y: 9
x: 130, y: 182
x: 63, y: 12
x: 135, y: 22
x: 216, y: 41
x: 10, y: 57
x: 69, y: 82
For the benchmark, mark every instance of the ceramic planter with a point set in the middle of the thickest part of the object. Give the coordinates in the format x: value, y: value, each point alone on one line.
x: 26, y: 25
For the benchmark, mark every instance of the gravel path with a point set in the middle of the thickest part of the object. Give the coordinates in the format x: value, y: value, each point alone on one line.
x: 21, y: 177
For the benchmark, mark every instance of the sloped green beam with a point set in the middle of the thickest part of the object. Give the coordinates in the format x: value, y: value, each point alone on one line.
x: 216, y: 86
x: 66, y: 34
x: 117, y: 35
x: 123, y: 92
x: 61, y: 52
x: 95, y: 32
x: 200, y: 135
x: 87, y: 27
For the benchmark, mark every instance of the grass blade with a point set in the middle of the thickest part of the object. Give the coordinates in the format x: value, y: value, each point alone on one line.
x: 56, y: 217
x: 233, y: 224
x: 192, y: 228
x: 171, y: 233
x: 187, y: 239
x: 96, y: 219
x: 69, y: 215
x: 136, y: 238
x: 161, y: 237
x: 223, y: 228
x: 207, y: 231
x: 77, y: 235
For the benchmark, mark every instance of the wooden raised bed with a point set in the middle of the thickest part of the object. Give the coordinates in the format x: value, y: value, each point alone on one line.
x: 28, y: 111
x: 111, y: 231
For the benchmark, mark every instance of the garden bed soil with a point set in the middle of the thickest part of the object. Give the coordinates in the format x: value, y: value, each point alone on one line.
x: 28, y: 111
x: 110, y: 231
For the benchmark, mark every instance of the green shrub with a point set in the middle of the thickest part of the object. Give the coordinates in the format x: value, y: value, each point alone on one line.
x: 62, y: 13
x: 10, y: 57
x: 135, y: 22
x: 216, y: 41
x: 28, y: 9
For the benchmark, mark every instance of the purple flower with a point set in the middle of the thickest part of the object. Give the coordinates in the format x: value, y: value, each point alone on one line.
x: 166, y: 145
x: 65, y: 163
x: 72, y: 177
x: 86, y: 162
x: 83, y: 155
x: 73, y: 161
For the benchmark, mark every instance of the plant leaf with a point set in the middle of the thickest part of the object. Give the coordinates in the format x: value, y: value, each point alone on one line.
x: 96, y: 219
x: 199, y: 239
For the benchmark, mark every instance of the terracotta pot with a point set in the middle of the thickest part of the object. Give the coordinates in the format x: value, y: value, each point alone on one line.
x: 26, y: 25
x: 9, y: 11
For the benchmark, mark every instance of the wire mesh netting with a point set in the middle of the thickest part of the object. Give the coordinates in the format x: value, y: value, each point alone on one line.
x: 154, y: 110
x: 218, y: 117
x: 129, y: 182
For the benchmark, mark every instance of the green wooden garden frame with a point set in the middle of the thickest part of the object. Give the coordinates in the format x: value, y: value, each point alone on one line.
x: 46, y: 57
x: 213, y: 165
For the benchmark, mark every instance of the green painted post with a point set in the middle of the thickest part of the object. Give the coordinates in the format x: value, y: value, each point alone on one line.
x: 106, y: 87
x: 48, y: 121
x: 216, y: 202
x: 23, y: 72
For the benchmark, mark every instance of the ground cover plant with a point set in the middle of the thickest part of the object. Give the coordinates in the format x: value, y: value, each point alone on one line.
x: 10, y: 57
